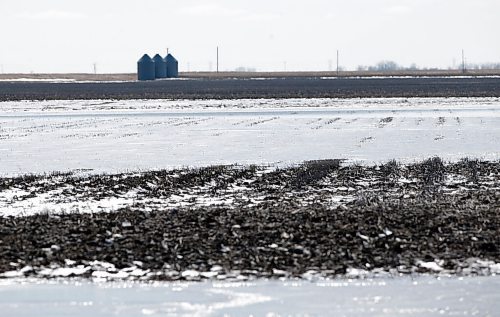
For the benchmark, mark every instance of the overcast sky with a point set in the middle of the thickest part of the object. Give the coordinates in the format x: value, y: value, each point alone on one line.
x: 70, y: 35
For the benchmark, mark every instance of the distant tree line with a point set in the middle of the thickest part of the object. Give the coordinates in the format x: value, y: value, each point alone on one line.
x: 388, y: 66
x: 483, y: 66
x: 245, y: 69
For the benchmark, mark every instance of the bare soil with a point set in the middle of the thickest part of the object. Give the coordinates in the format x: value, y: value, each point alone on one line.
x: 290, y: 87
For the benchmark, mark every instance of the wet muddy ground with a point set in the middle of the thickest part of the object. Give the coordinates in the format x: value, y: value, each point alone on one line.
x: 320, y: 218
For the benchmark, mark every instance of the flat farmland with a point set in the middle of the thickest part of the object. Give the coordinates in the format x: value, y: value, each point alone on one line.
x: 290, y: 87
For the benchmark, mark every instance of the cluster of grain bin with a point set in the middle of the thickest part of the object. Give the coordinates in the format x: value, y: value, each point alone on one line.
x: 157, y: 67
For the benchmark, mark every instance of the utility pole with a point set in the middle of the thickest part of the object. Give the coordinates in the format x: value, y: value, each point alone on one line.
x: 337, y: 63
x: 284, y: 66
x: 463, y: 62
x: 217, y: 59
x: 2, y: 68
x: 95, y: 68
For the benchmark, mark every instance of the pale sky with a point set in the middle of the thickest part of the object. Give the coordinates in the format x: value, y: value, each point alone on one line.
x: 70, y: 35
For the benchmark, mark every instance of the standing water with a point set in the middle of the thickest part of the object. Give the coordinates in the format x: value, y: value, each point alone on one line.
x: 403, y: 296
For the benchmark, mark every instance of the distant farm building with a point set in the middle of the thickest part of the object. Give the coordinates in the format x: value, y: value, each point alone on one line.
x: 157, y: 68
x: 160, y: 66
x: 172, y: 66
x: 146, y: 68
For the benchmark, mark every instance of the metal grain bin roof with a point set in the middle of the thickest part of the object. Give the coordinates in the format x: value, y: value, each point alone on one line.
x: 160, y: 66
x: 145, y: 68
x: 172, y: 66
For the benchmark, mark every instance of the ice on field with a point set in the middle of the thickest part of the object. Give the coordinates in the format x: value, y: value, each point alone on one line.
x: 108, y: 136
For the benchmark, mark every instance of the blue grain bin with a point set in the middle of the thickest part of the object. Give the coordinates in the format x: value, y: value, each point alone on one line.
x: 160, y: 67
x: 172, y: 66
x: 146, y: 68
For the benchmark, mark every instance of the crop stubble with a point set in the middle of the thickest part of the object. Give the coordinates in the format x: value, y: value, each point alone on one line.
x: 399, y: 218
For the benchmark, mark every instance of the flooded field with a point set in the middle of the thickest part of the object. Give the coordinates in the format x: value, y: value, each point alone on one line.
x: 418, y: 236
x: 116, y: 136
x: 424, y: 296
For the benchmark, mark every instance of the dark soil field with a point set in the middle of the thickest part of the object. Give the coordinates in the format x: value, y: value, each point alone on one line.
x: 425, y: 217
x: 290, y: 87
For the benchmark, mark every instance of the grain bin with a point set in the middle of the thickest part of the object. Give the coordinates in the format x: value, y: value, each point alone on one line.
x: 172, y: 66
x: 160, y: 66
x: 145, y: 68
